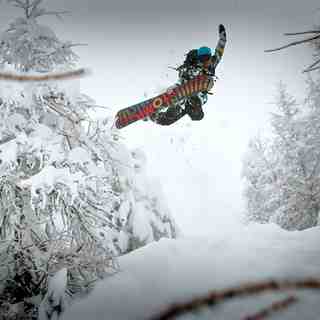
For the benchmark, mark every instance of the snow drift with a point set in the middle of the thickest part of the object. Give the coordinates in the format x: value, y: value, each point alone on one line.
x: 176, y: 270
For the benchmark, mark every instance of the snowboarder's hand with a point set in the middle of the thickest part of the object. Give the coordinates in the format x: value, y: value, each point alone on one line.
x: 222, y: 29
x: 222, y: 32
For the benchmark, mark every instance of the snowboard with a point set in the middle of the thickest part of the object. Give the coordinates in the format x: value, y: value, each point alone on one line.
x: 173, y: 95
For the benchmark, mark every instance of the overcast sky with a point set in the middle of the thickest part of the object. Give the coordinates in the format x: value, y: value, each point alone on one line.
x: 130, y: 46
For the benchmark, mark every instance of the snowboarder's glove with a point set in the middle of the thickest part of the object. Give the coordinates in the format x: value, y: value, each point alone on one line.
x: 222, y: 28
x: 222, y: 31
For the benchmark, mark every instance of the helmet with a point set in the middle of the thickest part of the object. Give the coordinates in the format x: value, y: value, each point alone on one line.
x: 204, y: 51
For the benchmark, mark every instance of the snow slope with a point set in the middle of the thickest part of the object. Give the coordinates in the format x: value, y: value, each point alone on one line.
x: 175, y: 270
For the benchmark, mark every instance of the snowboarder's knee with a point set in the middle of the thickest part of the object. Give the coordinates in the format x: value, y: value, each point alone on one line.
x: 194, y: 109
x: 196, y: 116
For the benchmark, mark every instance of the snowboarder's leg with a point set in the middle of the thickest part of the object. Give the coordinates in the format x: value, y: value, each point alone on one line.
x: 168, y: 117
x: 194, y: 108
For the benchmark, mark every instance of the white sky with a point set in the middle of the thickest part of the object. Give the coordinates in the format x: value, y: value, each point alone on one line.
x: 129, y: 51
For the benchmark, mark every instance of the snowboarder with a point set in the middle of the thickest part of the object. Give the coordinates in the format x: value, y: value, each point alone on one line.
x: 197, y: 61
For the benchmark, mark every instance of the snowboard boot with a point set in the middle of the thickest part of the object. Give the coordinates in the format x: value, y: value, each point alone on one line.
x: 193, y: 108
x: 168, y: 117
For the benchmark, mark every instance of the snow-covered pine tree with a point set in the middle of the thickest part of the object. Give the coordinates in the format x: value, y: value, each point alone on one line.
x: 68, y: 187
x: 260, y: 178
x: 150, y: 218
x: 291, y: 168
x: 283, y: 177
x: 30, y: 46
x: 296, y: 143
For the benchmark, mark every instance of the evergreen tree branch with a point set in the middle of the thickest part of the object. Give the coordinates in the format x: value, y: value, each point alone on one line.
x: 35, y: 3
x: 7, y: 139
x: 314, y: 169
x: 215, y: 297
x: 74, y: 45
x: 57, y: 108
x: 18, y: 3
x: 58, y: 14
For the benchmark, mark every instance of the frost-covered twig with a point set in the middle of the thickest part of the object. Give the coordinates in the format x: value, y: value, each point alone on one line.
x: 57, y: 108
x: 274, y: 307
x: 49, y: 76
x: 55, y: 13
x: 215, y: 297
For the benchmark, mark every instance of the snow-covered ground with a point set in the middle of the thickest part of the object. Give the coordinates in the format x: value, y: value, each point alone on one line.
x: 176, y: 270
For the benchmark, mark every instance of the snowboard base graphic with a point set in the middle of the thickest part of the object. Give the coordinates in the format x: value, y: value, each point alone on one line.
x: 141, y: 110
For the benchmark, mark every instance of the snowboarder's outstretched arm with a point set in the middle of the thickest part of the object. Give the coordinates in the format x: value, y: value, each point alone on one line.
x: 220, y: 46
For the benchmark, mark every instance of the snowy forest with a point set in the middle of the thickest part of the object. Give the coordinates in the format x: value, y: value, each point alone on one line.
x: 87, y: 233
x: 73, y: 197
x: 282, y: 170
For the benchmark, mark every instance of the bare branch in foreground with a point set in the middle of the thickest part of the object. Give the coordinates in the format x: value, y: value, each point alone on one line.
x: 274, y: 307
x: 45, y: 77
x: 215, y: 297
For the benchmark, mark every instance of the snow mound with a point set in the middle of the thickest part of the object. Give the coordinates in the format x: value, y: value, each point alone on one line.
x: 176, y: 270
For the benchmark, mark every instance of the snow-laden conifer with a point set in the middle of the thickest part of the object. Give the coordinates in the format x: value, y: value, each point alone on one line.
x: 282, y: 174
x: 70, y: 196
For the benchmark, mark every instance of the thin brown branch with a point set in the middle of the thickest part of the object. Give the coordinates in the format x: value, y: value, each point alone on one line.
x: 274, y: 307
x: 55, y: 13
x: 311, y: 69
x: 70, y: 45
x: 215, y: 297
x: 295, y: 43
x: 299, y: 33
x: 313, y: 65
x: 49, y: 76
